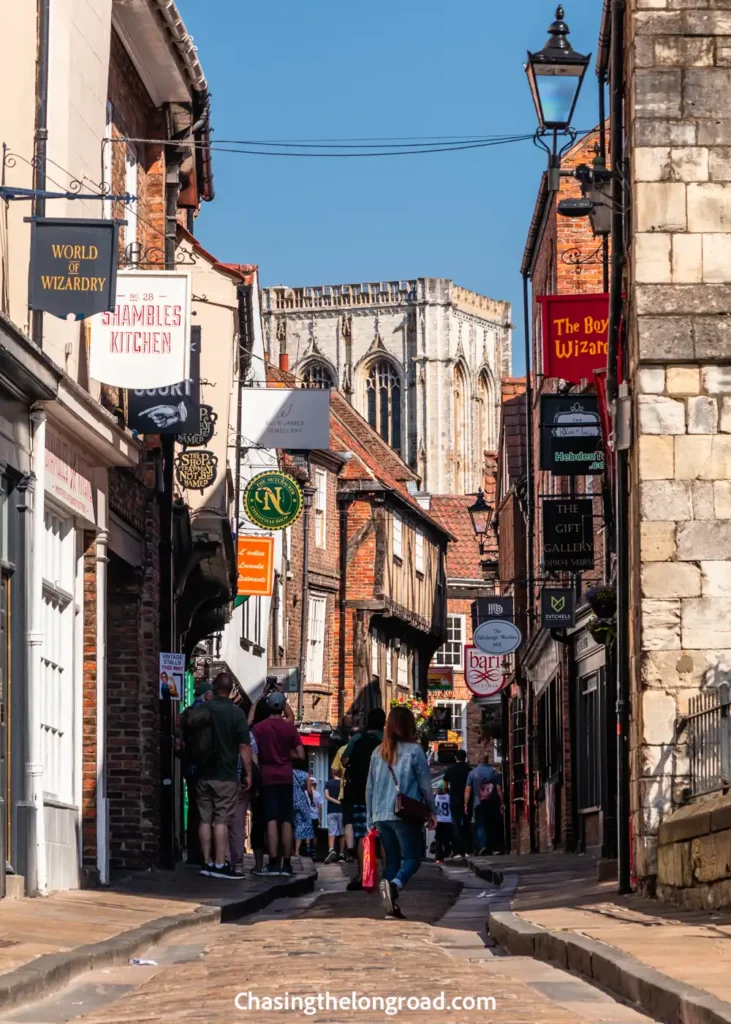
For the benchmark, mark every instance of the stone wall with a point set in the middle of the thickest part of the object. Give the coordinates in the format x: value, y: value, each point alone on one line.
x: 679, y: 292
x: 694, y: 855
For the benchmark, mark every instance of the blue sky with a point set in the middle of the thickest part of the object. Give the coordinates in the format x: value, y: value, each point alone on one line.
x: 283, y: 69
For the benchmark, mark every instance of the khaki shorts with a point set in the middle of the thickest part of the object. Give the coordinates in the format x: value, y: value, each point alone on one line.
x: 216, y: 801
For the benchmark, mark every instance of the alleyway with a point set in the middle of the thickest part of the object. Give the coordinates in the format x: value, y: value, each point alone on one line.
x: 336, y: 942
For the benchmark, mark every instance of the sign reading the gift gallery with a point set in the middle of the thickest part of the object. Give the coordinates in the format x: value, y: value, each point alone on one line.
x: 558, y: 608
x: 273, y: 500
x: 568, y: 534
x: 574, y: 336
x: 73, y: 266
x: 173, y: 408
x: 144, y: 342
x: 571, y: 437
x: 291, y: 418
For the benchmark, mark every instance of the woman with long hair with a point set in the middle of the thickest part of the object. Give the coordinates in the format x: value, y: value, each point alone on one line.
x: 399, y: 766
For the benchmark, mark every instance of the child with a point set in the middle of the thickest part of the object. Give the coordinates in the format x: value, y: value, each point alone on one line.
x: 444, y: 825
x: 334, y: 820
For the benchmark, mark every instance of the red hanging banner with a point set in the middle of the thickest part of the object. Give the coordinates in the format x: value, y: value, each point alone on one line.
x: 574, y: 335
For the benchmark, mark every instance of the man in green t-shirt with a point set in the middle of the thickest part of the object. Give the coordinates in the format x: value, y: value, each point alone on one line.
x: 217, y: 788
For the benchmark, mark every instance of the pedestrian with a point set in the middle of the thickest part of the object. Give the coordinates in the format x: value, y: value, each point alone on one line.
x: 346, y: 805
x: 443, y: 837
x: 237, y: 829
x: 356, y: 761
x: 279, y: 745
x: 303, y: 830
x: 335, y: 827
x: 398, y: 768
x: 455, y: 783
x: 203, y: 693
x: 257, y: 837
x: 485, y: 784
x: 216, y: 734
x: 316, y: 802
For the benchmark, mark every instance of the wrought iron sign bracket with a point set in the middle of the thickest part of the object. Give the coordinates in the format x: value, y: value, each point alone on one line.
x: 11, y: 193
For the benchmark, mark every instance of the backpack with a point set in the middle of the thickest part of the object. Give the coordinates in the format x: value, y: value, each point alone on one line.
x: 485, y: 791
x: 356, y: 772
x: 200, y: 735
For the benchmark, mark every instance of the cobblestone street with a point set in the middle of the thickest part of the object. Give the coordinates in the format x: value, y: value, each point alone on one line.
x: 337, y: 942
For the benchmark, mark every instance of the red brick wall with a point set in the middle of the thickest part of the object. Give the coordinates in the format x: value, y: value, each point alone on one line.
x: 89, y: 788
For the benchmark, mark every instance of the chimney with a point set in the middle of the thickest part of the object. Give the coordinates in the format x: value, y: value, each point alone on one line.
x: 284, y: 362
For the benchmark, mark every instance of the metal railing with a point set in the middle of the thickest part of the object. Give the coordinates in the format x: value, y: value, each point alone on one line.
x: 709, y: 741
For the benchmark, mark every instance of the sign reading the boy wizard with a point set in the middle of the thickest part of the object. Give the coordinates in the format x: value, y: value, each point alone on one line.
x: 568, y: 534
x: 574, y: 335
x: 73, y: 266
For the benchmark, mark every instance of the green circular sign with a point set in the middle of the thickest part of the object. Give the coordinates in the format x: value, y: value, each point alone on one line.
x: 273, y: 500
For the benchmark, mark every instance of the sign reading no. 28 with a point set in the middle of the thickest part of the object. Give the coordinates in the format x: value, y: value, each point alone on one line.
x: 273, y: 500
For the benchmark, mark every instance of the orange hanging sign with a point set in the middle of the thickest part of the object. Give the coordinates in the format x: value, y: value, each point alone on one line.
x: 255, y: 566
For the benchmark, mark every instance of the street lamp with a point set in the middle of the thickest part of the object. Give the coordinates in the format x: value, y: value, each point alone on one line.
x: 480, y: 514
x: 555, y: 75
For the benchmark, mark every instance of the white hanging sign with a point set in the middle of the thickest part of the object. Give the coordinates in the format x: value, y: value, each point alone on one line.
x: 497, y: 636
x: 144, y: 342
x: 293, y: 418
x: 483, y: 673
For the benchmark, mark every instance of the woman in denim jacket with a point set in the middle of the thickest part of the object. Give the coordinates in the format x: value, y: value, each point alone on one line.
x: 402, y: 840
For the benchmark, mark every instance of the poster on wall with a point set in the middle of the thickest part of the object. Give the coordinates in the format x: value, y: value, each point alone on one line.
x: 574, y: 336
x: 73, y: 266
x: 171, y: 675
x: 144, y: 342
x: 173, y: 408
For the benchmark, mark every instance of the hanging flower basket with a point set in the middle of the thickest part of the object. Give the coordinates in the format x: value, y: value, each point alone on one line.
x: 602, y: 601
x: 604, y: 631
x: 420, y: 711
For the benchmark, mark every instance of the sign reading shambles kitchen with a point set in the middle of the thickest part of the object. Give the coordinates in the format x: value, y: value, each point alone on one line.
x: 568, y: 534
x: 574, y: 336
x: 144, y: 342
x: 571, y: 439
x: 73, y: 266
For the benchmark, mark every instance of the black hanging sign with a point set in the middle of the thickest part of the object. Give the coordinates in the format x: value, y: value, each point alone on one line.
x: 571, y: 437
x: 558, y: 608
x: 167, y: 410
x: 568, y: 534
x: 73, y: 266
x: 207, y: 429
x: 485, y: 608
x: 196, y: 470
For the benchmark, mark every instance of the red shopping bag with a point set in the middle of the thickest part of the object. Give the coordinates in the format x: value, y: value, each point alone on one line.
x: 370, y: 866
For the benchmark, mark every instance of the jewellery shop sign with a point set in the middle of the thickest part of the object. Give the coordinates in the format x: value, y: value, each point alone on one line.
x: 73, y: 266
x: 568, y: 534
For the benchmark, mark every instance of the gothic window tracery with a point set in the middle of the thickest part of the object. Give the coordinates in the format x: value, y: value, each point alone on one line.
x: 317, y: 375
x: 383, y: 401
x: 460, y: 430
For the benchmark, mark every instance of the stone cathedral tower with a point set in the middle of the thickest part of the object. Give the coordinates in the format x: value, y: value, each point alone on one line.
x: 421, y: 360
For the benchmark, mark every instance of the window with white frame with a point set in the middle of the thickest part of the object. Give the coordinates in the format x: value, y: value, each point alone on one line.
x: 57, y: 657
x: 315, y: 638
x: 402, y: 677
x: 419, y: 551
x: 374, y: 656
x: 458, y: 715
x: 451, y: 652
x: 130, y: 210
x: 398, y: 536
x: 389, y: 663
x: 320, y: 508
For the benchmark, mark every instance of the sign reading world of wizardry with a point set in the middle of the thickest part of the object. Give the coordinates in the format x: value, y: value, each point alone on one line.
x: 273, y: 500
x: 571, y: 437
x: 73, y: 266
x: 568, y: 534
x: 196, y: 470
x: 574, y: 335
x: 144, y: 342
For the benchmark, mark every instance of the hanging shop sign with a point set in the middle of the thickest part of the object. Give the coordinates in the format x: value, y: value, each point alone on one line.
x: 497, y: 636
x: 574, y: 335
x: 144, y: 342
x: 255, y: 563
x: 291, y: 418
x: 69, y: 477
x: 440, y: 723
x: 204, y: 433
x: 558, y: 608
x: 568, y: 534
x: 483, y: 673
x: 440, y: 680
x: 485, y: 608
x: 73, y: 266
x: 571, y: 437
x: 165, y: 410
x: 273, y: 500
x: 196, y: 470
x: 171, y: 675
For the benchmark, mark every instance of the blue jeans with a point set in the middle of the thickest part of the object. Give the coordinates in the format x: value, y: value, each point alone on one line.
x: 402, y: 844
x: 488, y: 827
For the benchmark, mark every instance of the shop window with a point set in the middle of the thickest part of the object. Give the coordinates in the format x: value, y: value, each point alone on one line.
x: 315, y: 639
x: 549, y: 731
x: 451, y: 653
x: 589, y: 742
x: 320, y: 508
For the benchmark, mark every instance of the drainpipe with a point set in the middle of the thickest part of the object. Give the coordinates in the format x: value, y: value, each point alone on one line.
x: 102, y: 803
x: 309, y: 493
x: 37, y: 881
x: 41, y: 137
x: 530, y: 546
x: 344, y: 503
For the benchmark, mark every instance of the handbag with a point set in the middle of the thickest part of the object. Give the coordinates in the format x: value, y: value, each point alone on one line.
x: 406, y: 807
x: 370, y: 869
